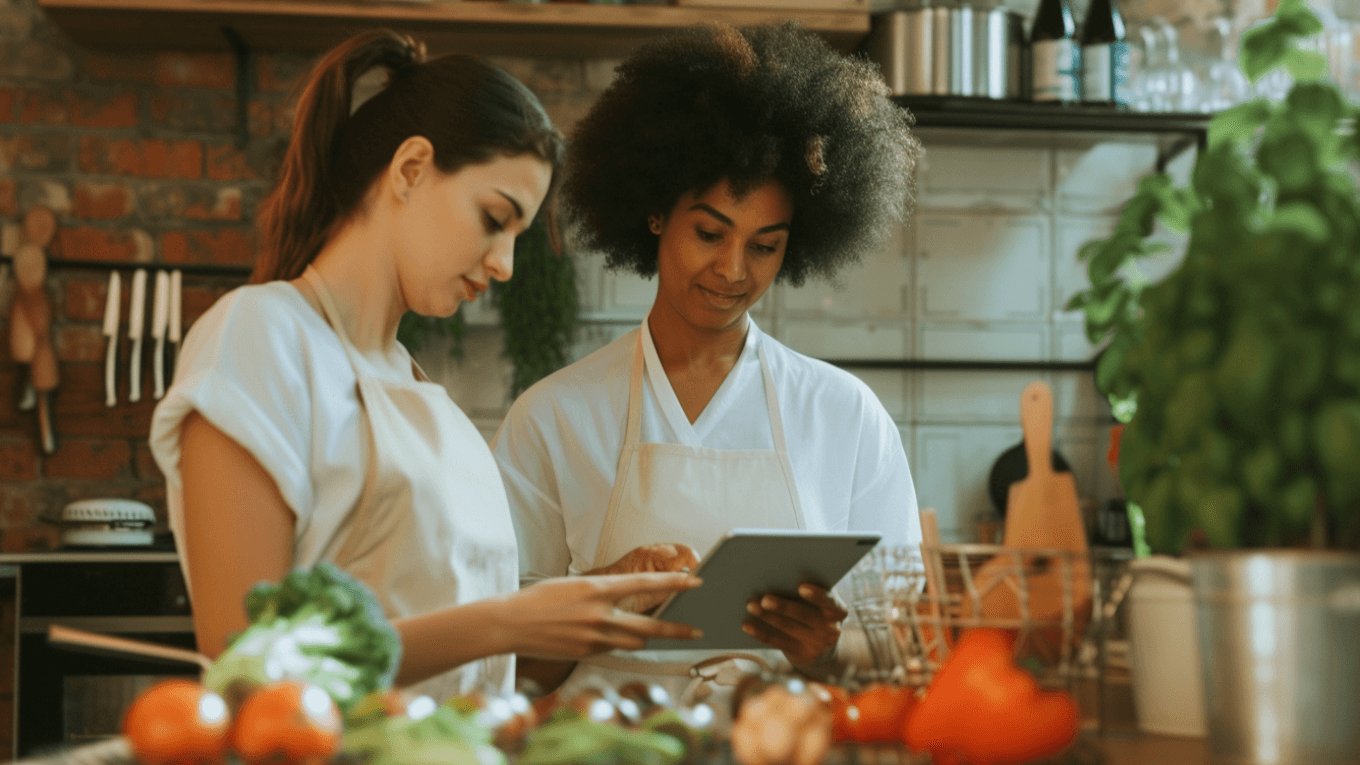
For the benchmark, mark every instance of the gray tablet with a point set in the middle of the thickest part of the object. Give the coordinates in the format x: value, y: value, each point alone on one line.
x: 748, y: 563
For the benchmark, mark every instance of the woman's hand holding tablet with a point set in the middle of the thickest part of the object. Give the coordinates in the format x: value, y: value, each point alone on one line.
x: 806, y: 629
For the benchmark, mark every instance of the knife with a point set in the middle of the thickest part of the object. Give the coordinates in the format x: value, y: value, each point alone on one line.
x: 136, y: 316
x: 112, y: 304
x: 159, y: 315
x: 173, y: 332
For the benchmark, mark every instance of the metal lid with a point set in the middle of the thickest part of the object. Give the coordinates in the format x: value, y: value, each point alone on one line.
x: 108, y: 511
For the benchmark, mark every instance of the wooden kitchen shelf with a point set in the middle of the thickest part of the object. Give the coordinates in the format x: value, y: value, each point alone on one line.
x: 473, y: 26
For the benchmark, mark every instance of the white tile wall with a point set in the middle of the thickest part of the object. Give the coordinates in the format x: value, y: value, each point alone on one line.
x: 951, y: 468
x: 982, y: 272
x: 982, y: 267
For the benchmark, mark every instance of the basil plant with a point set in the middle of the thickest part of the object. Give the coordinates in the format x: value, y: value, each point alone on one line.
x: 1238, y: 375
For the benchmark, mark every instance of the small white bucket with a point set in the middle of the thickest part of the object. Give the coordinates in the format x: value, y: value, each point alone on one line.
x: 1168, y: 690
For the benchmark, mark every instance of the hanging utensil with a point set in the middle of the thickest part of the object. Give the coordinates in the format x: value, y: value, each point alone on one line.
x: 136, y: 317
x: 45, y: 379
x: 112, y: 306
x: 23, y: 337
x: 173, y: 331
x: 160, y: 308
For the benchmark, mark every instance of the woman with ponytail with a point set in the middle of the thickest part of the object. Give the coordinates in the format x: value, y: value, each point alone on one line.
x: 299, y: 430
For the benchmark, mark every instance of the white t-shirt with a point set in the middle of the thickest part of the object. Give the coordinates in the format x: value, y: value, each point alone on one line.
x: 265, y: 368
x: 558, y: 448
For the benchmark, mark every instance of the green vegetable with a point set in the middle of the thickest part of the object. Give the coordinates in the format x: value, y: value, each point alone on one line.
x: 574, y: 740
x: 319, y: 625
x: 445, y: 737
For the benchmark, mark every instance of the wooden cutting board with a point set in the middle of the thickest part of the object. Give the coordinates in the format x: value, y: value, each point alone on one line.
x: 1041, y: 513
x: 1041, y: 508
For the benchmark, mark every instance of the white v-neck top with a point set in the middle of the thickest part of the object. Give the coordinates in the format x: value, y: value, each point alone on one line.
x: 558, y: 448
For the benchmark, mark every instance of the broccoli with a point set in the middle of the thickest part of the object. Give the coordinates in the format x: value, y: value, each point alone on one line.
x: 322, y: 626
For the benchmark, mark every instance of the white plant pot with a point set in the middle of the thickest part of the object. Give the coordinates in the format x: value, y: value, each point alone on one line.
x: 1164, y: 649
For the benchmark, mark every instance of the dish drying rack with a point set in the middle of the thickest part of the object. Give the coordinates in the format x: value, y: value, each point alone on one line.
x: 1061, y: 606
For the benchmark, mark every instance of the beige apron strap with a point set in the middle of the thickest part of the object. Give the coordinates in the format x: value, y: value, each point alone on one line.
x: 632, y: 434
x: 777, y: 433
x: 359, y: 522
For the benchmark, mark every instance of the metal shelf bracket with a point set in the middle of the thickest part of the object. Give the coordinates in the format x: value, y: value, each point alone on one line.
x: 245, y: 60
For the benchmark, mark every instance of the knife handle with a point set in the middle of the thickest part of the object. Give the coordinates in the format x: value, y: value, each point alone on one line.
x: 110, y: 373
x: 46, y: 434
x: 158, y: 368
x: 135, y: 372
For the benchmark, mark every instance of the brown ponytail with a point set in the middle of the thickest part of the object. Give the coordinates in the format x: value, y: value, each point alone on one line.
x: 469, y: 109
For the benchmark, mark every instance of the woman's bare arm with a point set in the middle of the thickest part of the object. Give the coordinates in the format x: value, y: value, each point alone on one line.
x: 238, y: 531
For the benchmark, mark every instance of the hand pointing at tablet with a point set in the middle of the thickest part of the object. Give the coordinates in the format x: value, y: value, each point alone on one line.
x: 650, y: 558
x: 805, y: 629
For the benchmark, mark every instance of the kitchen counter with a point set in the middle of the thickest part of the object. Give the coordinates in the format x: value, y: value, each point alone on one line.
x: 1133, y: 748
x: 99, y: 555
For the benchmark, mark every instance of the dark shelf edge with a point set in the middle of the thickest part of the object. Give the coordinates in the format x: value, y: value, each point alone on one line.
x: 965, y: 365
x: 943, y: 111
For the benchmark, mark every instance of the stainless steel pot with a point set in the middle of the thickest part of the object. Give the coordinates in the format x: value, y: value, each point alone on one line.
x: 990, y: 52
x: 900, y: 42
x: 941, y: 45
x: 1279, y: 636
x: 949, y: 50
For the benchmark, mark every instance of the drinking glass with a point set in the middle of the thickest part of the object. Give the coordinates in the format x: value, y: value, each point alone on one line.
x: 1224, y: 84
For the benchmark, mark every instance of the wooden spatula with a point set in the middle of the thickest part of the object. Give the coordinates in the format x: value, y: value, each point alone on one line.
x: 1041, y: 513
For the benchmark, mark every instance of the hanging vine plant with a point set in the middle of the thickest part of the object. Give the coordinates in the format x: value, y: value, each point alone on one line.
x: 538, y: 310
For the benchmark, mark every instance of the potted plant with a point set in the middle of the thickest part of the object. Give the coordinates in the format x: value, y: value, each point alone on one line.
x: 1237, y: 380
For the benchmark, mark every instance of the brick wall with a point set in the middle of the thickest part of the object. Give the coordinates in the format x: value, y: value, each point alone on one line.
x: 135, y: 152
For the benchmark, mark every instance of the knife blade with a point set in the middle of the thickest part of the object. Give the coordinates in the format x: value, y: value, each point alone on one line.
x: 176, y: 317
x: 159, y: 315
x: 136, y: 317
x: 112, y: 307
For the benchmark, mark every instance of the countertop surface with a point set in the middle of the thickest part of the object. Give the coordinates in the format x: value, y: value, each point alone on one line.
x: 1133, y: 748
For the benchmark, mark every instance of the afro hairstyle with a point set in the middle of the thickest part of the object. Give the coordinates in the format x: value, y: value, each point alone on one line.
x: 712, y: 102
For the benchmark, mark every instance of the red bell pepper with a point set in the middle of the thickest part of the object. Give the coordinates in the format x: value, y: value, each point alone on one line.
x: 984, y: 710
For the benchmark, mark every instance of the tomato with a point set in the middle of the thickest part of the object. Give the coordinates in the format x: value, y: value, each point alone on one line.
x: 287, y: 723
x: 177, y: 722
x: 878, y: 714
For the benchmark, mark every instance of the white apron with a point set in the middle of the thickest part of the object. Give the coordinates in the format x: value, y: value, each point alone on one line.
x: 432, y: 527
x: 691, y: 494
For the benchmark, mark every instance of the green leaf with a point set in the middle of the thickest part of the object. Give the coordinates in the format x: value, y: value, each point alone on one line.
x: 1138, y: 525
x: 1263, y: 48
x: 1219, y: 512
x: 1304, y: 64
x: 1239, y: 123
x: 1301, y: 219
x: 1296, y: 19
x: 1336, y: 434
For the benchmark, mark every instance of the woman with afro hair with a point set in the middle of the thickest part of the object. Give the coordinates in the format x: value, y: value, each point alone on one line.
x: 719, y: 161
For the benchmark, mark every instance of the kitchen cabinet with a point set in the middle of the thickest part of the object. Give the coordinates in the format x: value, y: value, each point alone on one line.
x: 63, y: 697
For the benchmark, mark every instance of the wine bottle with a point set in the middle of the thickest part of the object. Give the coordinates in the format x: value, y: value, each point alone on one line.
x: 1104, y: 55
x: 1054, y: 55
